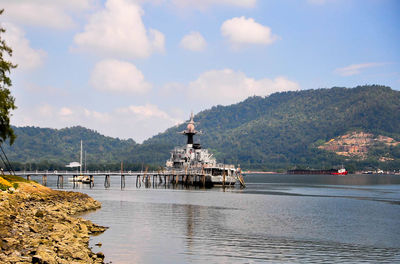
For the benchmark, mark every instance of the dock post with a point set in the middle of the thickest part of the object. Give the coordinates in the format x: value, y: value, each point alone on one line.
x: 44, y: 180
x: 122, y: 181
x: 107, y: 181
x: 60, y: 181
x: 137, y: 181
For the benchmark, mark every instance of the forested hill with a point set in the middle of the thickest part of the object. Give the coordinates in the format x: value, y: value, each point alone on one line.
x: 285, y: 129
x: 54, y: 148
x: 282, y: 130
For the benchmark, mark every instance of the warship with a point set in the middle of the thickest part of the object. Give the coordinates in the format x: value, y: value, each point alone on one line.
x: 192, y: 159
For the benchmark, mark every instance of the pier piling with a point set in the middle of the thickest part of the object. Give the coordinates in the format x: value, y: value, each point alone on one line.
x: 122, y: 181
x: 107, y: 183
x: 60, y: 181
x: 44, y: 180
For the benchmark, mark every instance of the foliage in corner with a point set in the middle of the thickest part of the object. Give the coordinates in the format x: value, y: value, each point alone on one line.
x: 4, y: 184
x: 6, y: 99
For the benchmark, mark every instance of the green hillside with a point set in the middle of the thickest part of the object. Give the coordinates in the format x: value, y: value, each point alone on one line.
x: 54, y: 148
x: 284, y: 129
x: 280, y: 131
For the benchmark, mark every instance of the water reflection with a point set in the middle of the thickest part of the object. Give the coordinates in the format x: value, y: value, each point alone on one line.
x: 187, y: 233
x: 277, y: 218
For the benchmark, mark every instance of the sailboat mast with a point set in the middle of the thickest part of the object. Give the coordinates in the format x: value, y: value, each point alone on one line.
x: 85, y: 162
x: 81, y: 159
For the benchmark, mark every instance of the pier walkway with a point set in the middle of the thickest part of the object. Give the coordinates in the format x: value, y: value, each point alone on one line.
x: 194, y: 177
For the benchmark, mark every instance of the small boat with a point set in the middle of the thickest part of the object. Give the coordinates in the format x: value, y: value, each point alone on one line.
x: 80, y: 178
x: 341, y: 171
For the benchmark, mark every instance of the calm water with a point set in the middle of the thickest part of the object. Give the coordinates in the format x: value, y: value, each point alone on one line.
x: 276, y: 219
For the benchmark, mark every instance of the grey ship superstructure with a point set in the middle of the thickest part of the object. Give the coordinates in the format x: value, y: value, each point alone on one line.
x: 193, y: 159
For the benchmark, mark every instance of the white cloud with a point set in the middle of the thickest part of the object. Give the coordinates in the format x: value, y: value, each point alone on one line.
x: 354, y: 69
x: 118, y: 30
x: 45, y: 110
x: 118, y: 76
x: 146, y: 111
x: 228, y: 86
x: 193, y: 41
x: 44, y: 13
x: 241, y: 30
x: 203, y: 4
x: 65, y: 111
x: 23, y: 55
x: 135, y: 121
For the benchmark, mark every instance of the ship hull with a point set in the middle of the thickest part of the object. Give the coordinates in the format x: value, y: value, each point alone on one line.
x: 318, y: 172
x: 340, y: 173
x: 209, y: 181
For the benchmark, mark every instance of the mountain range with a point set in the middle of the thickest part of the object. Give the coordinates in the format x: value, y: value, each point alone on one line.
x: 281, y: 131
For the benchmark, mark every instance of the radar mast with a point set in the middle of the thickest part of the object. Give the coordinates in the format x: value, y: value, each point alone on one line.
x: 190, y: 130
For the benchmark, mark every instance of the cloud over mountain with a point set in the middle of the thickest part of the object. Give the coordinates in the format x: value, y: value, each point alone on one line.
x: 193, y: 41
x: 23, y: 54
x: 118, y: 77
x: 242, y: 30
x: 118, y: 31
x: 43, y: 13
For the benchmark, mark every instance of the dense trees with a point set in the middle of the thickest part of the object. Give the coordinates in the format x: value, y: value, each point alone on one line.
x: 283, y: 130
x: 276, y: 132
x: 6, y: 99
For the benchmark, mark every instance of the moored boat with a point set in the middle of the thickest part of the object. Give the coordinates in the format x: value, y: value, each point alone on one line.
x: 341, y: 171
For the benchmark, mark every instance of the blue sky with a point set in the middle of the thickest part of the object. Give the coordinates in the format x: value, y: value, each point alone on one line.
x: 132, y: 68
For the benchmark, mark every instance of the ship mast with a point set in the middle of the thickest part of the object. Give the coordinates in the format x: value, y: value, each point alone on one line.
x: 190, y: 131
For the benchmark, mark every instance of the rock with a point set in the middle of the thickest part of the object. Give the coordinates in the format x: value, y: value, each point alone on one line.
x: 33, y: 229
x: 98, y: 244
x: 37, y: 259
x: 39, y: 213
x: 38, y: 227
x: 100, y: 255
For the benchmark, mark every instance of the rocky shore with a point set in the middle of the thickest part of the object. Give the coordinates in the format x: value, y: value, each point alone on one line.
x: 37, y: 225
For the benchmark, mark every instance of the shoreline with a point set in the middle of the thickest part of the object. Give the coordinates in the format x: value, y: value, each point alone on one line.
x: 261, y: 172
x: 41, y: 225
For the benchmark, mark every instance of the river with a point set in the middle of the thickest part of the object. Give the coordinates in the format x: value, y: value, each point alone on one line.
x: 276, y: 219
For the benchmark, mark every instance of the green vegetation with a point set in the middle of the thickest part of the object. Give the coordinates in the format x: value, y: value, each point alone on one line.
x: 281, y: 131
x: 4, y: 184
x: 45, y: 148
x: 6, y: 100
x: 284, y: 129
x: 13, y: 179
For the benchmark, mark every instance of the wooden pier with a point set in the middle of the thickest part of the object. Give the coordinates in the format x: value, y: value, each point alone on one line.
x: 143, y: 178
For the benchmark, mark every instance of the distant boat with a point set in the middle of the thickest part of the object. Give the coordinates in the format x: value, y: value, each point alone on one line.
x: 341, y: 171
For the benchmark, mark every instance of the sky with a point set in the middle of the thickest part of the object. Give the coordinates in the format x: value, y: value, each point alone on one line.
x: 133, y: 68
